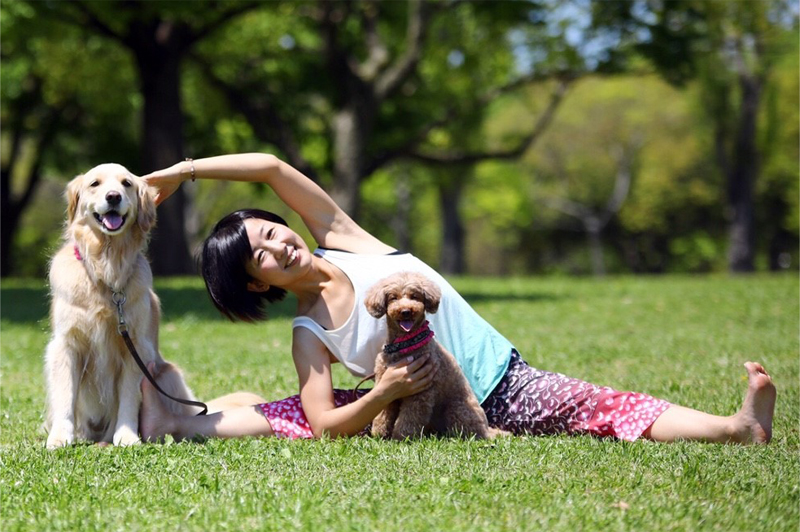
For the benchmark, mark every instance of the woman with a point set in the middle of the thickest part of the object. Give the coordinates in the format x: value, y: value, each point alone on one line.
x: 252, y: 257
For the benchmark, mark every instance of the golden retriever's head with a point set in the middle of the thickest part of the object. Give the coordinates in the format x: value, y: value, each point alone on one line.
x: 110, y: 199
x: 404, y: 298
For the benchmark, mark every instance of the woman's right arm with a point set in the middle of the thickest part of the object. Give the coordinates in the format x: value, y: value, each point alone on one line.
x: 329, y: 225
x: 316, y: 388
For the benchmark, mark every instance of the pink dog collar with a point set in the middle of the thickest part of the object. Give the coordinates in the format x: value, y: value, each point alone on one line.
x: 411, y: 341
x: 77, y: 252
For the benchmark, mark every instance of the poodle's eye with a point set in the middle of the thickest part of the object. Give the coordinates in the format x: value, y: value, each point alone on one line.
x: 95, y: 184
x: 126, y: 183
x: 391, y: 297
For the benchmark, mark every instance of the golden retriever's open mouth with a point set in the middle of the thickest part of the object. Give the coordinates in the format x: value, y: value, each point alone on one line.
x: 111, y: 221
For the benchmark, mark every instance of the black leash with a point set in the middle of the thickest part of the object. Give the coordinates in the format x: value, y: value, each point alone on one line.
x: 354, y: 393
x: 119, y: 300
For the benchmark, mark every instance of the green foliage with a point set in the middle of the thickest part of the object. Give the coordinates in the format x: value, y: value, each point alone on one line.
x: 673, y: 219
x: 92, y: 84
x: 778, y: 184
x: 681, y: 338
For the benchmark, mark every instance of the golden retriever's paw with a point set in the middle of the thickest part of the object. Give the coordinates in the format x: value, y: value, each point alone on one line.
x: 125, y: 437
x: 61, y: 435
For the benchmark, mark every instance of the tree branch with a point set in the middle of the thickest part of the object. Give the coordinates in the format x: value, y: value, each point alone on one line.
x: 589, y: 217
x: 338, y: 62
x: 267, y: 125
x: 568, y: 207
x: 622, y: 181
x: 49, y: 128
x: 223, y: 19
x: 461, y: 157
x: 92, y: 19
x: 418, y: 18
x: 407, y: 149
x: 378, y: 55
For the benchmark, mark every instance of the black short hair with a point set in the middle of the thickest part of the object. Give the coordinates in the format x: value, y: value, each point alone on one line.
x: 225, y: 253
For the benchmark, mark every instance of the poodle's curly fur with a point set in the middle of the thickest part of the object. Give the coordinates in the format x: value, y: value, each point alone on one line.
x: 448, y: 406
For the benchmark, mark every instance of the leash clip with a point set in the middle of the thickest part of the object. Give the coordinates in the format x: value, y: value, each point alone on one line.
x: 119, y: 299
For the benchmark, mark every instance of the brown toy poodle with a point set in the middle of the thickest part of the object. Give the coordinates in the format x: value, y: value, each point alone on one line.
x: 448, y: 406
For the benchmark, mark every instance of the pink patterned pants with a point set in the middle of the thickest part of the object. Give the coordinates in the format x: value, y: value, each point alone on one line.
x: 531, y: 401
x: 526, y: 401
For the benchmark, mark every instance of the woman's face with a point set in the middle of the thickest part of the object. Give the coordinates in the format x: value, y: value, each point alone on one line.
x: 279, y: 255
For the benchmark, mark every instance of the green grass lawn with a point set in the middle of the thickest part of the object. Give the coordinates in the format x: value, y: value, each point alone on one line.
x: 680, y: 338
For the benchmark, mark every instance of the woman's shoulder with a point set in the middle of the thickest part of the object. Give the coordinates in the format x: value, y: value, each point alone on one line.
x: 346, y: 235
x: 360, y: 247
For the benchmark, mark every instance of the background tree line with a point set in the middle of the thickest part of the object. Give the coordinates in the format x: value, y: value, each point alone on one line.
x: 487, y: 137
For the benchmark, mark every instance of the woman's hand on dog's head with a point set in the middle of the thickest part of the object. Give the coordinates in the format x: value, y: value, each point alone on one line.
x: 166, y: 181
x: 407, y: 377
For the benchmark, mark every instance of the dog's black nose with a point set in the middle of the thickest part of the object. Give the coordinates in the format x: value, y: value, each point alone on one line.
x: 405, y: 314
x: 113, y: 198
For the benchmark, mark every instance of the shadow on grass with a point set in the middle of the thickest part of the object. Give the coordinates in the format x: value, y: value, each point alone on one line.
x: 182, y: 302
x: 31, y: 304
x: 24, y: 304
x: 482, y: 297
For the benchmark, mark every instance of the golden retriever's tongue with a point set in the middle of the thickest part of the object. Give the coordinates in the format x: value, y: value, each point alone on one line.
x: 406, y: 325
x: 112, y: 221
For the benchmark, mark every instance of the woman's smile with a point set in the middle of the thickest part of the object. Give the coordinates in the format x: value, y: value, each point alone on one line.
x: 293, y: 256
x: 275, y: 248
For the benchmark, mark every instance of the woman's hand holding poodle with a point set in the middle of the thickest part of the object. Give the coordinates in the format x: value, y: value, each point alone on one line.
x: 405, y: 378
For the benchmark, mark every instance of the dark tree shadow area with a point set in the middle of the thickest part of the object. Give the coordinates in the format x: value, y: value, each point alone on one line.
x: 31, y: 304
x: 21, y: 305
x: 482, y: 297
x: 179, y: 302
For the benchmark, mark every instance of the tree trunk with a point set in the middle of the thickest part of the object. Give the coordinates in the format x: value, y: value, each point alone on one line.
x: 352, y: 126
x: 349, y: 147
x: 741, y: 180
x: 401, y: 221
x: 452, y: 253
x: 8, y: 227
x: 593, y: 231
x: 162, y: 146
x: 29, y: 105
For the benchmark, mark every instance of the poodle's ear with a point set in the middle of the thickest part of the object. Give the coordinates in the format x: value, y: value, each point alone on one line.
x: 433, y: 295
x: 375, y: 300
x: 146, y: 217
x: 73, y: 196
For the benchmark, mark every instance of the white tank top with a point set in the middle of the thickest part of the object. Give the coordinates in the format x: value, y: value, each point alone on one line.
x: 481, y: 351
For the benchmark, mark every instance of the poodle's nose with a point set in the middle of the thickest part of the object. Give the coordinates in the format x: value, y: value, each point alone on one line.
x: 113, y: 198
x: 406, y: 314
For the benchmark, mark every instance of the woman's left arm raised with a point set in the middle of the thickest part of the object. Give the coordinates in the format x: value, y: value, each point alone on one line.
x: 329, y: 225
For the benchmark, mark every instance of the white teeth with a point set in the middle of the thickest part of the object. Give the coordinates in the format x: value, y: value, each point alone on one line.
x: 292, y: 258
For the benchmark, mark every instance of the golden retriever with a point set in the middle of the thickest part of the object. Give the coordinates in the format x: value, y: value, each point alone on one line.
x: 92, y: 380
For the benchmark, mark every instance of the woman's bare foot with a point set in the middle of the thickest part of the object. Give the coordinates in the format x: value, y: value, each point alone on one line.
x: 155, y: 419
x: 753, y: 423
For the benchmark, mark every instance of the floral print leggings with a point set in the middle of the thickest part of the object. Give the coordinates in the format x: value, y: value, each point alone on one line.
x: 531, y: 401
x: 526, y: 401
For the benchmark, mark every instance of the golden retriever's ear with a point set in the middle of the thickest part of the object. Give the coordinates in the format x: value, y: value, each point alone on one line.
x: 146, y: 217
x: 375, y: 300
x: 432, y: 296
x: 73, y: 196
